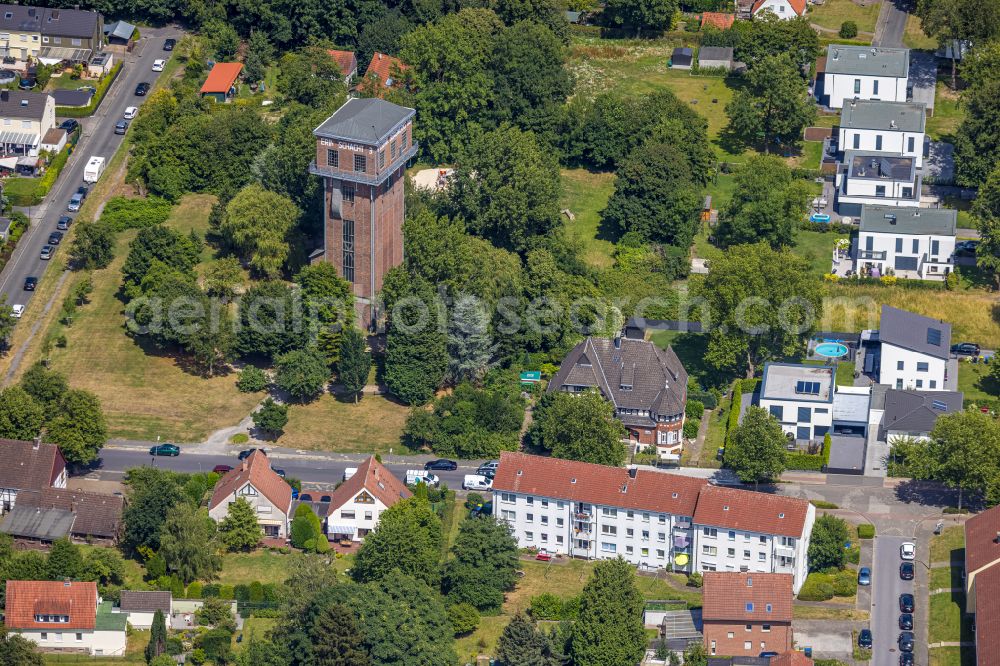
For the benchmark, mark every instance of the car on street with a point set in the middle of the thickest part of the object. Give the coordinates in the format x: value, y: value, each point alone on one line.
x: 158, y: 65
x: 905, y: 641
x: 165, y: 450
x: 16, y: 310
x: 64, y: 222
x: 121, y: 127
x: 141, y: 89
x: 169, y: 44
x: 222, y: 469
x: 441, y: 463
x: 55, y: 237
x: 905, y: 659
x: 83, y: 191
x: 278, y: 471
x: 489, y: 468
x: 47, y: 252
x: 965, y: 349
x: 906, y: 603
x: 864, y: 576
x: 244, y: 454
x: 70, y: 125
x: 865, y: 638
x: 75, y: 202
x: 906, y: 621
x: 908, y: 550
x: 30, y: 283
x: 906, y: 570
x: 130, y: 112
x: 477, y: 482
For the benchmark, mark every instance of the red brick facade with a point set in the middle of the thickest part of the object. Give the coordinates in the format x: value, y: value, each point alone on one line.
x: 648, y: 436
x: 729, y: 639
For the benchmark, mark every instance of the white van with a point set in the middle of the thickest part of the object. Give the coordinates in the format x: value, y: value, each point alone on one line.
x: 349, y: 472
x: 415, y: 476
x: 476, y: 482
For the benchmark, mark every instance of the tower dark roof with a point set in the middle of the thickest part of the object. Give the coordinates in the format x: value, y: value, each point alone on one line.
x: 368, y: 121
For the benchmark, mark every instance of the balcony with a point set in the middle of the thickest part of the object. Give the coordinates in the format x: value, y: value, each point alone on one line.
x: 364, y: 178
x: 876, y: 255
x: 784, y: 551
x: 580, y: 515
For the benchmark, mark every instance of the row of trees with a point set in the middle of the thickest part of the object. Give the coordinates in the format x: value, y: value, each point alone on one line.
x: 103, y: 566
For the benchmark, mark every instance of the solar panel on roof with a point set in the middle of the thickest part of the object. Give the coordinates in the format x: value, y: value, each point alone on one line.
x: 934, y: 336
x: 937, y: 404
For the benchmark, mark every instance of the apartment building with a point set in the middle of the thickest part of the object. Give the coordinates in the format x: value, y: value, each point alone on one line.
x: 886, y: 127
x: 862, y: 72
x: 916, y: 243
x: 871, y: 178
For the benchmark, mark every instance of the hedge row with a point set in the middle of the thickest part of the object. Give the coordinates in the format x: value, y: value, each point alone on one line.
x: 822, y: 586
x: 102, y: 89
x: 803, y: 461
x: 835, y: 227
x: 866, y: 531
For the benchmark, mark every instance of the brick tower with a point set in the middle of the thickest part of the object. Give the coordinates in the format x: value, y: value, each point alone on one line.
x: 361, y: 152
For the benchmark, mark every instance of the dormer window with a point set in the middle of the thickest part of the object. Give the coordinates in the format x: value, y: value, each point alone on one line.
x: 248, y: 490
x: 625, y: 387
x: 8, y: 15
x: 364, y: 498
x: 47, y: 618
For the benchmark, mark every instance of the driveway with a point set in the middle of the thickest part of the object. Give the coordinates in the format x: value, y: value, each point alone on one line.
x: 829, y: 639
x: 939, y: 164
x: 891, y: 23
x: 923, y: 78
x: 886, y: 588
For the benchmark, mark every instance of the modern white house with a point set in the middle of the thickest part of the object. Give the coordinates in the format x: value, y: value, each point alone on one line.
x: 883, y: 127
x: 869, y: 178
x: 355, y: 506
x: 655, y: 520
x: 783, y: 9
x: 862, y: 72
x: 800, y: 397
x: 915, y: 243
x: 64, y: 616
x: 256, y: 482
x: 908, y: 351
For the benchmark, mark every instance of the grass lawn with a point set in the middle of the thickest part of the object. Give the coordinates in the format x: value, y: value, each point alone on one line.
x: 953, y: 656
x: 255, y: 627
x: 812, y: 155
x: 373, y: 425
x: 914, y: 37
x: 949, y: 545
x: 948, y: 622
x: 715, y: 438
x: 964, y: 206
x: 816, y: 247
x: 262, y: 565
x: 800, y: 612
x: 845, y: 373
x: 975, y: 381
x: 832, y: 13
x: 948, y: 114
x: 945, y: 577
x: 586, y: 194
x: 144, y: 391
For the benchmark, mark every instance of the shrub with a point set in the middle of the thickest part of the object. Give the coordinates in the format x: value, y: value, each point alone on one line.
x: 472, y: 500
x: 695, y: 579
x: 241, y: 592
x: 854, y: 555
x: 954, y: 510
x: 848, y: 30
x: 194, y: 590
x: 175, y: 645
x: 866, y: 531
x: 123, y: 213
x: 546, y: 606
x: 240, y: 438
x: 217, y: 644
x: 844, y: 583
x: 252, y: 379
x: 823, y: 504
x: 694, y: 409
x: 225, y: 591
x: 816, y: 588
x: 210, y: 591
x: 827, y: 445
x: 691, y: 428
x: 464, y: 618
x: 803, y: 461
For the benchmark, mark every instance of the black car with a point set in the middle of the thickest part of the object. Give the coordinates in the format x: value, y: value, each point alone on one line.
x: 83, y: 191
x: 169, y: 44
x: 906, y: 570
x: 279, y: 472
x: 905, y: 641
x: 966, y: 248
x: 64, y: 222
x: 965, y: 349
x: 906, y: 603
x: 906, y: 621
x: 70, y: 125
x: 141, y: 89
x: 55, y: 237
x: 905, y: 659
x: 121, y: 126
x: 865, y: 638
x: 441, y: 463
x: 30, y: 283
x: 246, y: 453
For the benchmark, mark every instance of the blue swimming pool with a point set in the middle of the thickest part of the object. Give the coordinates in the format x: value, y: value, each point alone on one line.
x: 831, y: 349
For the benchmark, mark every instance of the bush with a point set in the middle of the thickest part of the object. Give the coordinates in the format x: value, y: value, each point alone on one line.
x: 854, y: 555
x: 545, y: 606
x: 252, y: 379
x: 473, y: 500
x: 695, y: 579
x: 217, y: 644
x: 844, y: 583
x: 175, y: 645
x: 194, y: 590
x: 691, y: 428
x: 240, y: 438
x: 464, y: 618
x: 954, y: 510
x: 694, y: 409
x: 816, y: 588
x: 823, y: 504
x: 708, y: 399
x: 803, y: 461
x: 866, y: 531
x: 123, y: 213
x: 848, y: 30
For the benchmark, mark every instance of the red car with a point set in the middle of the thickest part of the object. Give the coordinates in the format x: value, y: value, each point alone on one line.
x: 543, y: 556
x: 221, y: 469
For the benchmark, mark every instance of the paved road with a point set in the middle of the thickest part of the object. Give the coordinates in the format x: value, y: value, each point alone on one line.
x: 891, y: 23
x: 886, y: 588
x: 98, y: 139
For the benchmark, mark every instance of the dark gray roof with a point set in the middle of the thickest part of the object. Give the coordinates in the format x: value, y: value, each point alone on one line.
x: 909, y: 220
x: 28, y: 522
x: 20, y: 18
x: 879, y: 115
x: 867, y: 61
x: 879, y: 166
x: 70, y: 23
x: 97, y: 514
x: 368, y: 121
x: 22, y: 104
x: 917, y: 411
x: 72, y: 97
x: 120, y: 30
x: 915, y: 332
x: 715, y: 53
x: 847, y: 454
x: 144, y: 602
x: 657, y: 377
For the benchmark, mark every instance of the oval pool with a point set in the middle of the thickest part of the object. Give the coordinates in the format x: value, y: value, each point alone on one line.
x: 831, y: 349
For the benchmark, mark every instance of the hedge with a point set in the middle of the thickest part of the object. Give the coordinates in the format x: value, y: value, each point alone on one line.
x: 803, y: 461
x: 825, y: 227
x: 866, y: 531
x: 707, y: 398
x: 31, y: 191
x: 123, y: 213
x: 827, y: 445
x: 102, y: 89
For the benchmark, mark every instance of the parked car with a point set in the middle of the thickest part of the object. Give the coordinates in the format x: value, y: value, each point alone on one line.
x: 47, y: 252
x: 865, y: 638
x: 121, y: 127
x: 908, y: 551
x: 55, y: 237
x: 278, y: 471
x: 864, y: 576
x: 70, y: 125
x: 489, y: 468
x: 64, y: 222
x: 966, y: 248
x: 477, y: 482
x: 441, y: 463
x: 83, y: 191
x: 169, y: 44
x: 905, y: 641
x: 905, y: 659
x: 141, y: 89
x: 165, y: 450
x: 415, y: 476
x: 906, y: 621
x: 906, y: 570
x: 75, y: 202
x: 965, y: 349
x: 244, y: 454
x: 906, y: 603
x: 222, y: 469
x: 30, y: 283
x: 16, y: 310
x: 543, y: 556
x: 158, y: 65
x: 130, y: 112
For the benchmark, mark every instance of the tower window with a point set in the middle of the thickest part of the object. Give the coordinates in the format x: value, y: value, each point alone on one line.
x: 392, y: 148
x: 348, y: 249
x: 381, y: 159
x: 360, y: 163
x: 332, y: 157
x: 347, y: 192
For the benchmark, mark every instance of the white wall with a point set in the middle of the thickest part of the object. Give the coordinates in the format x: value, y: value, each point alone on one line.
x: 267, y: 512
x: 94, y: 642
x: 790, y: 414
x: 365, y: 516
x: 140, y: 620
x: 840, y: 87
x: 893, y: 141
x: 907, y: 377
x: 780, y: 8
x: 885, y: 242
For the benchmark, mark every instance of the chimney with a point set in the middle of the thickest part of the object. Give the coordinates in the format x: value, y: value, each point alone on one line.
x: 632, y: 472
x: 65, y: 582
x: 997, y: 540
x: 36, y: 443
x: 618, y: 340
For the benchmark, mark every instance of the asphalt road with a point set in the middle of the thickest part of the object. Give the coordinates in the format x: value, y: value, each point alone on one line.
x: 892, y: 23
x: 98, y: 139
x: 886, y: 588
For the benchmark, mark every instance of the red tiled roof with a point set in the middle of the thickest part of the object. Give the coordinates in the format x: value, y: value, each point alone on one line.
x: 382, y: 66
x: 727, y: 594
x: 222, y: 77
x: 255, y: 470
x: 374, y: 477
x: 750, y: 511
x: 988, y: 616
x: 598, y: 484
x: 25, y: 598
x: 791, y: 658
x: 718, y: 20
x: 798, y: 6
x: 346, y: 60
x: 27, y: 468
x: 981, y: 545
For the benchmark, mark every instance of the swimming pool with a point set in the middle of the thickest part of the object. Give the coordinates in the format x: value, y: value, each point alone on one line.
x: 831, y: 349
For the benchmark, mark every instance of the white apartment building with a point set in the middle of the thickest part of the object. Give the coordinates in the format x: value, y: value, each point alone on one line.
x: 910, y: 351
x: 916, y: 243
x: 800, y: 397
x: 863, y: 72
x: 867, y: 178
x: 355, y: 506
x: 883, y: 127
x: 651, y: 519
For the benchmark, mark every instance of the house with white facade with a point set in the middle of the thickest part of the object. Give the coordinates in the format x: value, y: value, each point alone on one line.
x: 883, y: 127
x: 28, y: 466
x: 25, y: 118
x: 862, y: 72
x: 869, y: 178
x: 140, y: 606
x: 783, y: 9
x: 913, y: 243
x: 800, y: 397
x: 652, y: 519
x: 256, y: 482
x: 64, y: 616
x: 908, y: 351
x: 355, y: 506
x: 912, y: 414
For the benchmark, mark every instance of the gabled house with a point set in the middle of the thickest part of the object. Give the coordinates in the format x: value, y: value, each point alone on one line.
x: 140, y: 606
x: 383, y: 72
x: 982, y: 571
x: 897, y: 128
x: 30, y: 466
x: 647, y: 386
x: 70, y: 34
x: 256, y: 482
x: 42, y: 516
x: 908, y: 351
x: 744, y: 614
x: 221, y: 82
x: 783, y: 9
x: 356, y: 505
x: 913, y: 414
x: 871, y: 178
x: 25, y: 117
x: 863, y: 73
x: 717, y: 20
x: 64, y: 616
x: 915, y: 243
x: 347, y: 61
x: 791, y: 658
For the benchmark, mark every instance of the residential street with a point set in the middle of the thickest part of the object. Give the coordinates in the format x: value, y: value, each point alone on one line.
x: 886, y: 588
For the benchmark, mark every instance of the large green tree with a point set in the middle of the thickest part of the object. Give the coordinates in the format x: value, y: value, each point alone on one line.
x: 16, y: 650
x: 756, y: 449
x: 953, y: 20
x: 579, y: 427
x: 64, y: 560
x: 188, y: 543
x: 639, y: 15
x: 21, y: 416
x: 416, y: 352
x: 767, y: 205
x: 355, y: 362
x: 774, y: 106
x: 523, y: 644
x: 986, y: 213
x: 157, y: 644
x: 484, y: 565
x: 93, y: 246
x: 407, y: 538
x: 80, y: 429
x: 239, y: 530
x: 608, y: 631
x: 46, y: 386
x: 303, y: 373
x: 826, y: 543
x: 268, y: 320
x: 977, y: 141
x: 257, y: 223
x: 337, y: 639
x: 470, y: 345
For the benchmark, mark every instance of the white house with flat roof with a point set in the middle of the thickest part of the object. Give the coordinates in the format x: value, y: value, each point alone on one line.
x: 884, y: 127
x: 869, y: 178
x: 912, y: 351
x: 916, y: 243
x: 800, y: 397
x: 864, y: 73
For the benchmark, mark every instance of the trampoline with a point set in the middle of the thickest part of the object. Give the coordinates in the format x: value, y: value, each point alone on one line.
x: 831, y: 349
